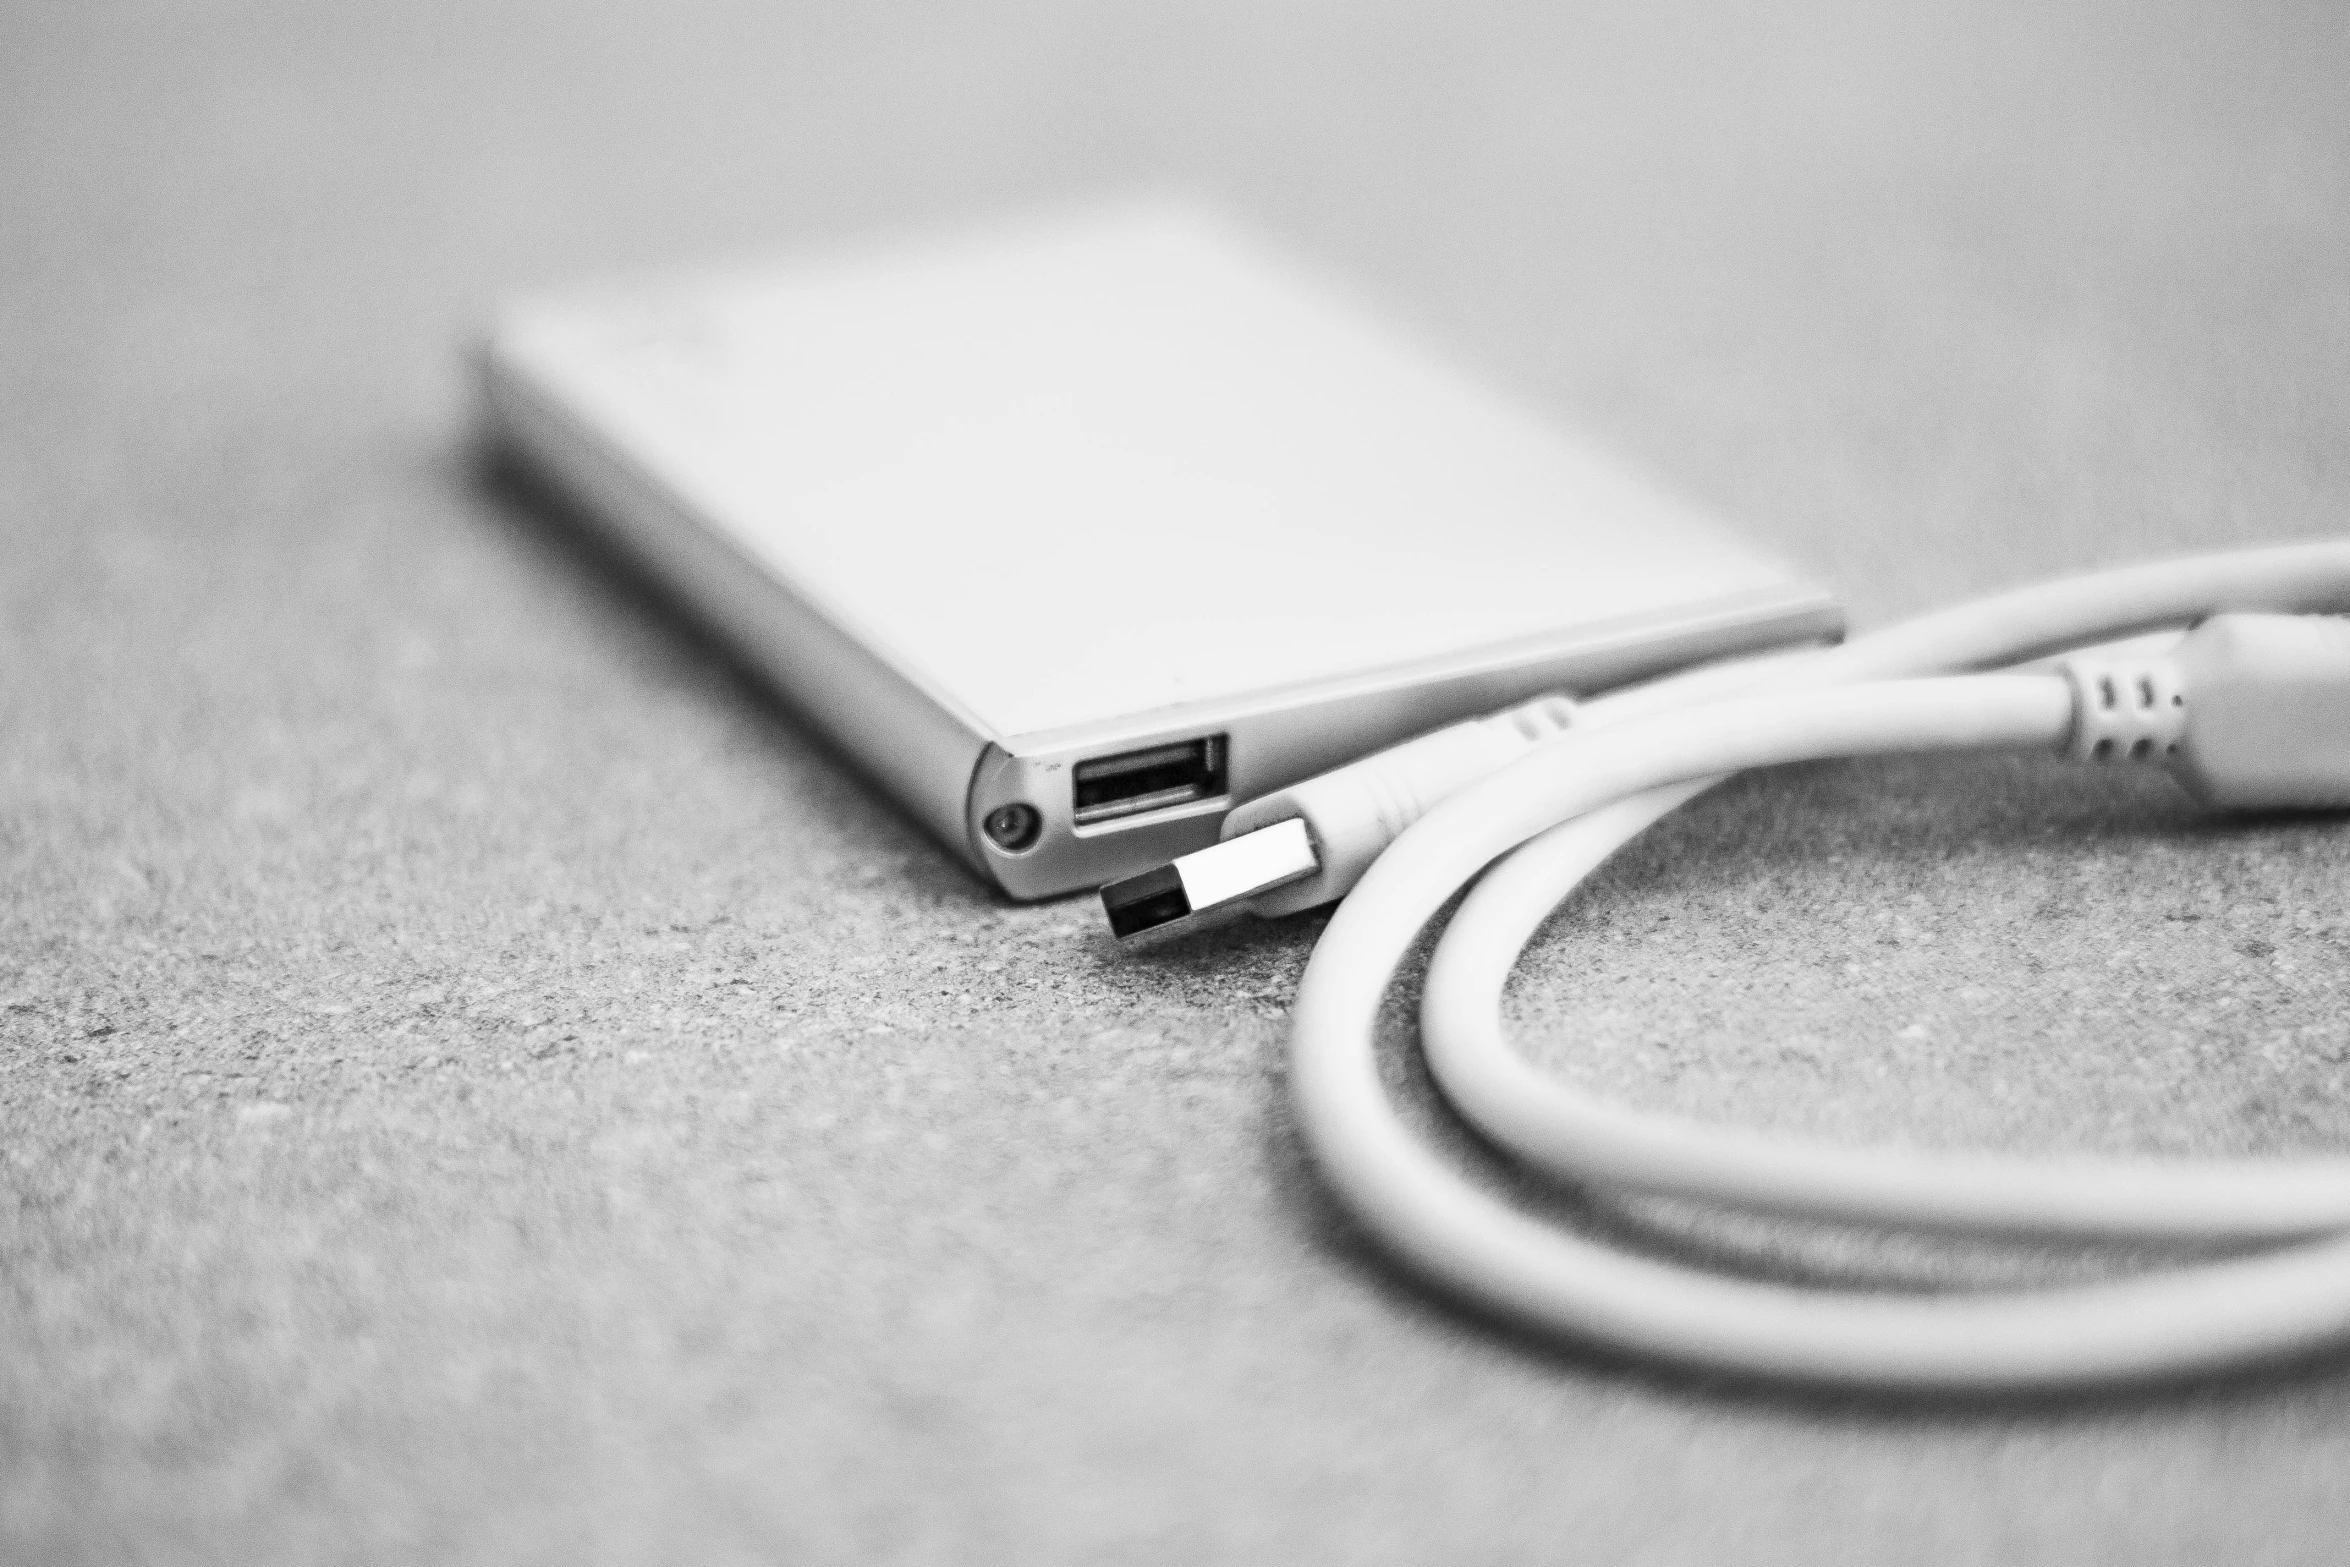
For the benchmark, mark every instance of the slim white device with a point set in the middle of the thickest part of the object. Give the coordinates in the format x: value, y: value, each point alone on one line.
x: 1076, y: 534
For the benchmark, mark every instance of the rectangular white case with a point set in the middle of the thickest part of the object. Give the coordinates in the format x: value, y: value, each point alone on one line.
x: 1117, y: 517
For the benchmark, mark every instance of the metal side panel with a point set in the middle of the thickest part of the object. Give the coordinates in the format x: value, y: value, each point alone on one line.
x: 924, y: 755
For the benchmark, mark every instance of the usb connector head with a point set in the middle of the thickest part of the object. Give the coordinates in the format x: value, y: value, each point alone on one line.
x: 1209, y: 879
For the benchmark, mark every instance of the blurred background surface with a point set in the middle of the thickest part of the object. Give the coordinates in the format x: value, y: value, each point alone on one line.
x: 477, y: 1081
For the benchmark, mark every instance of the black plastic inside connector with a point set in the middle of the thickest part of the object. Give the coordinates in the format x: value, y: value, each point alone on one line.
x: 1145, y: 902
x: 1152, y: 779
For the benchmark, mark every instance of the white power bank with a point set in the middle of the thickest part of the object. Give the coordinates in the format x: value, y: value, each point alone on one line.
x: 1077, y: 534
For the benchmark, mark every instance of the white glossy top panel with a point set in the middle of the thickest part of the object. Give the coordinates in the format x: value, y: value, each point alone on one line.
x: 1101, y: 466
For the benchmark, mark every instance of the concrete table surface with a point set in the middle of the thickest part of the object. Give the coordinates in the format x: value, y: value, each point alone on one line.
x: 479, y: 1082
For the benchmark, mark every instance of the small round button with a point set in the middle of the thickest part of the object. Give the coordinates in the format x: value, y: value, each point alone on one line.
x: 1013, y: 827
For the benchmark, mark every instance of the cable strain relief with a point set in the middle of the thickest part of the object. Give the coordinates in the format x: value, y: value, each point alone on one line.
x: 1542, y: 718
x: 2126, y: 709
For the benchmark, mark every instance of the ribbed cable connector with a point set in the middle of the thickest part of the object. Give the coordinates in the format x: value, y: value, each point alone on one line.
x: 2249, y: 711
x: 2126, y: 709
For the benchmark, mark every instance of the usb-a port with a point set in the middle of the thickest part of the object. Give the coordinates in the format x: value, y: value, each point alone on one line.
x: 1152, y: 779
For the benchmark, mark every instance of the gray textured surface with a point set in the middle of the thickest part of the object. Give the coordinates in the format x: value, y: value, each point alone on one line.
x: 477, y: 1083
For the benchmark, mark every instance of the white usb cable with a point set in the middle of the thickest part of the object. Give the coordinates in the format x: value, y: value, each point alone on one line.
x: 2252, y: 709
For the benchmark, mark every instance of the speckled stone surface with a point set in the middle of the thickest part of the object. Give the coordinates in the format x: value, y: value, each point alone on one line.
x: 479, y: 1083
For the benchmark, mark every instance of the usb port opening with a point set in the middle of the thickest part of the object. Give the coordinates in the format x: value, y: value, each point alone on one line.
x: 1152, y: 779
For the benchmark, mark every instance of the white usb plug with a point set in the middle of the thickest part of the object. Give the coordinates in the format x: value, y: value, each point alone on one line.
x: 2267, y: 705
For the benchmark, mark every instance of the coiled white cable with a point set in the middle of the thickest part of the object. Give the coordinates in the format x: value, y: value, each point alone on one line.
x: 1632, y: 760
